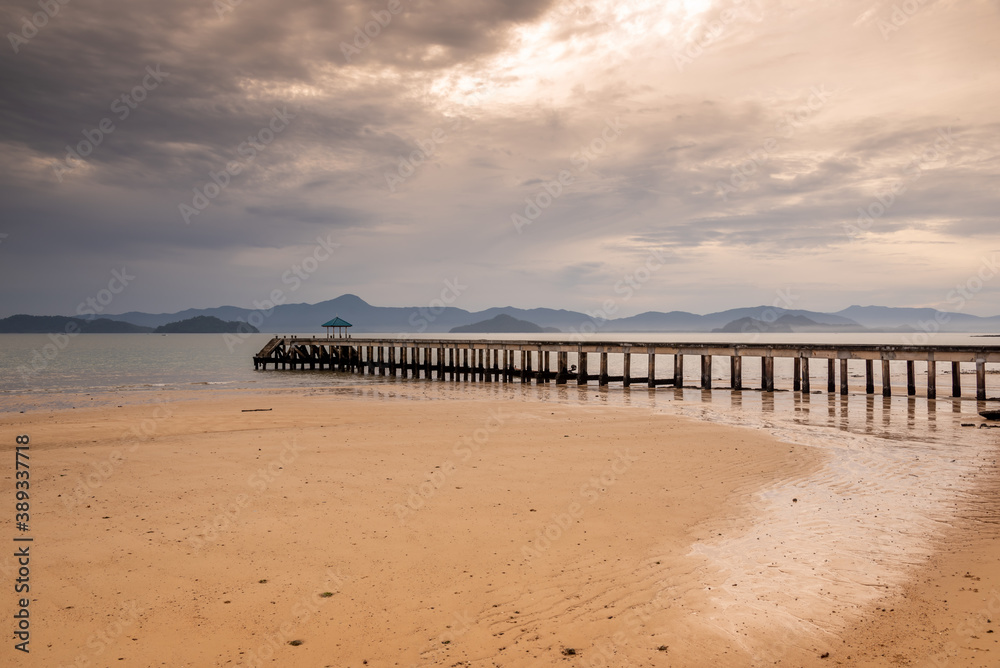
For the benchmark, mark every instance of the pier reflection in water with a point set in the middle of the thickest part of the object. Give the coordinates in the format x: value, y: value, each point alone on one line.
x: 897, y: 418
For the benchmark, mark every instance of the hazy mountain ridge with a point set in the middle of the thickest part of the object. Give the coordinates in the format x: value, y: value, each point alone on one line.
x: 786, y: 324
x: 502, y: 324
x: 60, y: 324
x: 205, y: 324
x: 306, y: 318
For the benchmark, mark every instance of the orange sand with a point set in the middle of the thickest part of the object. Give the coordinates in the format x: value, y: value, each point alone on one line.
x: 452, y: 533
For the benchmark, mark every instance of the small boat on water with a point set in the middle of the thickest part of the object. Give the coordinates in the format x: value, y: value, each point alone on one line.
x: 990, y: 415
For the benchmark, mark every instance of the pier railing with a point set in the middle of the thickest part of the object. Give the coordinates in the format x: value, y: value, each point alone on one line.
x: 550, y: 361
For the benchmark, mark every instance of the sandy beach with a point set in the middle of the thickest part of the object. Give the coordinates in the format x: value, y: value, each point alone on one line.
x: 384, y: 531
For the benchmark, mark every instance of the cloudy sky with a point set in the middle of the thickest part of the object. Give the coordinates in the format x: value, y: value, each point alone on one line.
x: 712, y: 154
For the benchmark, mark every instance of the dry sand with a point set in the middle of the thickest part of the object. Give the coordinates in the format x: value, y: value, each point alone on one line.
x: 391, y: 532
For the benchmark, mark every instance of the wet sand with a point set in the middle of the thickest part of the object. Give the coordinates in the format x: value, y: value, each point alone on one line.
x: 481, y: 533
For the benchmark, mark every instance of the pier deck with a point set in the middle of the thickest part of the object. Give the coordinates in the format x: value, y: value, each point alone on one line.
x: 549, y: 361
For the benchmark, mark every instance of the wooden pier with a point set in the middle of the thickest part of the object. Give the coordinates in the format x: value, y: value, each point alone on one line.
x: 550, y: 361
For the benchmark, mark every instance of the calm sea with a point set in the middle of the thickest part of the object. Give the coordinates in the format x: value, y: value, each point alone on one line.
x: 124, y: 368
x: 88, y: 362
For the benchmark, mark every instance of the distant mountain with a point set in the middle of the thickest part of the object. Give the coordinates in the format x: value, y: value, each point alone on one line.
x: 560, y: 319
x: 754, y: 326
x: 682, y: 321
x: 308, y: 318
x: 153, y: 320
x: 206, y: 324
x: 919, y: 319
x: 438, y: 317
x: 786, y: 324
x: 766, y: 313
x: 502, y: 324
x: 59, y: 324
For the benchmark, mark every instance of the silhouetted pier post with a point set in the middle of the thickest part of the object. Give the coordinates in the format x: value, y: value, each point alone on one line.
x: 627, y: 369
x: 843, y: 376
x: 562, y: 361
x: 911, y: 378
x: 956, y: 379
x: 581, y: 372
x: 981, y: 380
x: 602, y: 380
x: 678, y: 370
x: 831, y: 375
x: 931, y: 378
x: 797, y: 374
x: 651, y: 366
x: 767, y: 373
x: 736, y: 372
x: 886, y: 379
x: 869, y: 376
x: 706, y: 372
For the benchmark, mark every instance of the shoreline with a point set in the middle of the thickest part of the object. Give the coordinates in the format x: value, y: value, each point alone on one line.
x: 576, y: 549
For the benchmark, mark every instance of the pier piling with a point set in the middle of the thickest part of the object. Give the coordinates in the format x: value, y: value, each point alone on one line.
x: 489, y: 361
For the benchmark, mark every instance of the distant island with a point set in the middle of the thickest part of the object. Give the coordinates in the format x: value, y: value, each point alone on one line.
x: 797, y: 324
x: 503, y: 324
x: 786, y: 324
x: 60, y: 324
x: 206, y: 324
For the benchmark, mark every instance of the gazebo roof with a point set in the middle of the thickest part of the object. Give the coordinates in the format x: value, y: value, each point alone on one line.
x: 337, y: 322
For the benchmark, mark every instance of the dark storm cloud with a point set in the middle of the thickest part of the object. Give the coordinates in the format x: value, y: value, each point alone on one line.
x: 221, y: 73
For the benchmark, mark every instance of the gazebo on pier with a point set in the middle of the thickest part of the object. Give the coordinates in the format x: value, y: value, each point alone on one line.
x: 339, y: 327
